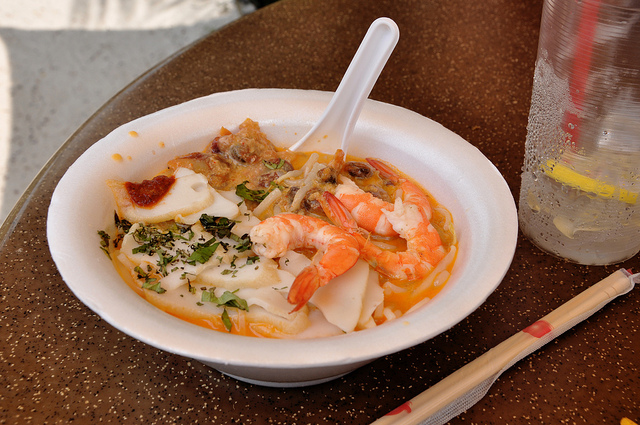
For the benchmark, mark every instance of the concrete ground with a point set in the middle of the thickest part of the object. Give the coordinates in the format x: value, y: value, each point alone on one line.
x: 61, y: 60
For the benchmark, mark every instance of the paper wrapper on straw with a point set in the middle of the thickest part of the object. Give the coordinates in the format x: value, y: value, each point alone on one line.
x: 465, y: 387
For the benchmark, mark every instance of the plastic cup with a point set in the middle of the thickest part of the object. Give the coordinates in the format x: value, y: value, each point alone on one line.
x: 579, y: 197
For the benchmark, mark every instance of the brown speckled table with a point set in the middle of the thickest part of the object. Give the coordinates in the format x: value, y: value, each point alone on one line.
x: 466, y: 64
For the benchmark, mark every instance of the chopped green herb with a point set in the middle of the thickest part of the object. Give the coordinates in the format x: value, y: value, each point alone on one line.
x: 154, y: 287
x: 273, y: 166
x: 249, y: 194
x: 181, y: 229
x: 104, y: 242
x: 226, y: 320
x: 185, y: 275
x: 203, y: 252
x: 225, y: 246
x: 230, y: 299
x: 227, y: 299
x: 244, y: 243
x: 149, y: 282
x: 121, y: 224
x: 163, y: 261
x: 273, y: 185
x: 141, y: 273
x: 217, y: 226
x: 122, y: 228
x: 152, y: 240
x: 209, y: 296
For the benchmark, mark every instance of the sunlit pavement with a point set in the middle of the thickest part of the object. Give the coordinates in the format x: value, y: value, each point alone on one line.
x: 61, y: 60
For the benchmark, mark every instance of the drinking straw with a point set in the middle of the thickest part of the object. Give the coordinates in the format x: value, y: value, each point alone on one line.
x: 466, y: 386
x: 579, y: 73
x: 560, y: 170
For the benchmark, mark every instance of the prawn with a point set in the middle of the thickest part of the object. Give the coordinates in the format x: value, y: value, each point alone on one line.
x: 366, y: 209
x: 410, y: 218
x: 276, y: 235
x: 370, y: 212
x: 410, y: 192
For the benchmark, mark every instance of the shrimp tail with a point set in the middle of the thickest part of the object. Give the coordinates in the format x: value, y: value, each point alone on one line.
x: 337, y: 212
x: 340, y: 216
x: 384, y: 169
x: 338, y: 248
x: 305, y: 285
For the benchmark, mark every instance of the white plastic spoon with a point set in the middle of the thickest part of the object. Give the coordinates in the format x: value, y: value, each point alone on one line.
x: 337, y: 122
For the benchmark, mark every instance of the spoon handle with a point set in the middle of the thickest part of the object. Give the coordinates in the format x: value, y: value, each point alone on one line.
x: 339, y: 118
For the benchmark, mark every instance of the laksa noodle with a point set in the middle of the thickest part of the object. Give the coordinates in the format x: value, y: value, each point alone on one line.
x: 253, y: 240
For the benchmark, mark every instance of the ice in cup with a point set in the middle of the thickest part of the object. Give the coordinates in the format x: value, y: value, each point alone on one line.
x: 579, y: 197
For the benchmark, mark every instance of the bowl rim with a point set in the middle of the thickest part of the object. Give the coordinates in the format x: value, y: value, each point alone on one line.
x: 192, y: 341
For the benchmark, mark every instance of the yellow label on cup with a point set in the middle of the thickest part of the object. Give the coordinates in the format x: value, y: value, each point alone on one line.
x: 566, y: 175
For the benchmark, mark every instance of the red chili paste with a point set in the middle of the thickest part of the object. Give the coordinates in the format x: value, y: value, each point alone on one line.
x: 149, y: 192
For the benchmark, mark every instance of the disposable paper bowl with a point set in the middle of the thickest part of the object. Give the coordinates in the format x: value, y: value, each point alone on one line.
x: 454, y: 171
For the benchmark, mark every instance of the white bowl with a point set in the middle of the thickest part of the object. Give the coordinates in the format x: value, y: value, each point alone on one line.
x: 454, y: 171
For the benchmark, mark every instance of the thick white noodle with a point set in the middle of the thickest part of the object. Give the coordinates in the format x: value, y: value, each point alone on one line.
x: 390, y: 287
x: 308, y: 183
x: 272, y: 197
x: 448, y: 224
x: 302, y: 171
x: 440, y: 267
x: 290, y: 175
x: 419, y: 304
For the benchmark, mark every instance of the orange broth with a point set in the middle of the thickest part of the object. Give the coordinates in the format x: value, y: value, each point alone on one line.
x: 399, y: 296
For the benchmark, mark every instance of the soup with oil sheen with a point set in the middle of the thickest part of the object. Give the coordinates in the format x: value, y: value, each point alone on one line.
x: 253, y: 240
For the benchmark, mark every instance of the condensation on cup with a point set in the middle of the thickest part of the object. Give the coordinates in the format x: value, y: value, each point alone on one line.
x: 579, y: 197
